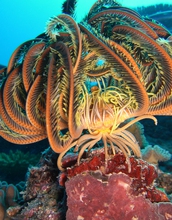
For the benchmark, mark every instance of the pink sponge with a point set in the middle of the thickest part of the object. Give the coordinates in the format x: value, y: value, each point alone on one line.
x: 90, y: 198
x: 99, y: 190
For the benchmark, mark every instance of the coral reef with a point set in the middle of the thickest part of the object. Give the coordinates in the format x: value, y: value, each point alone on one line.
x: 94, y: 189
x: 164, y: 181
x: 82, y: 86
x: 160, y: 134
x: 159, y: 12
x: 90, y: 92
x: 98, y: 190
x: 43, y: 198
x: 18, y: 158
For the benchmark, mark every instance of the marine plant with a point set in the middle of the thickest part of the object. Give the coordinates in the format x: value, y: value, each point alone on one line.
x: 79, y: 83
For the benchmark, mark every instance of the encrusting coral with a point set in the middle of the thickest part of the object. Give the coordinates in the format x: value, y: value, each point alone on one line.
x: 164, y: 181
x: 43, y: 197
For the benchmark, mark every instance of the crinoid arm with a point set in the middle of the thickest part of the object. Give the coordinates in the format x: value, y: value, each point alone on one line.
x: 57, y: 83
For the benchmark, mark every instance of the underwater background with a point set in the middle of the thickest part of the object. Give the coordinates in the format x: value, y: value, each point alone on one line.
x: 24, y: 20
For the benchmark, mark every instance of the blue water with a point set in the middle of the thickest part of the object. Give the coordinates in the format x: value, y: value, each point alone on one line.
x: 23, y: 20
